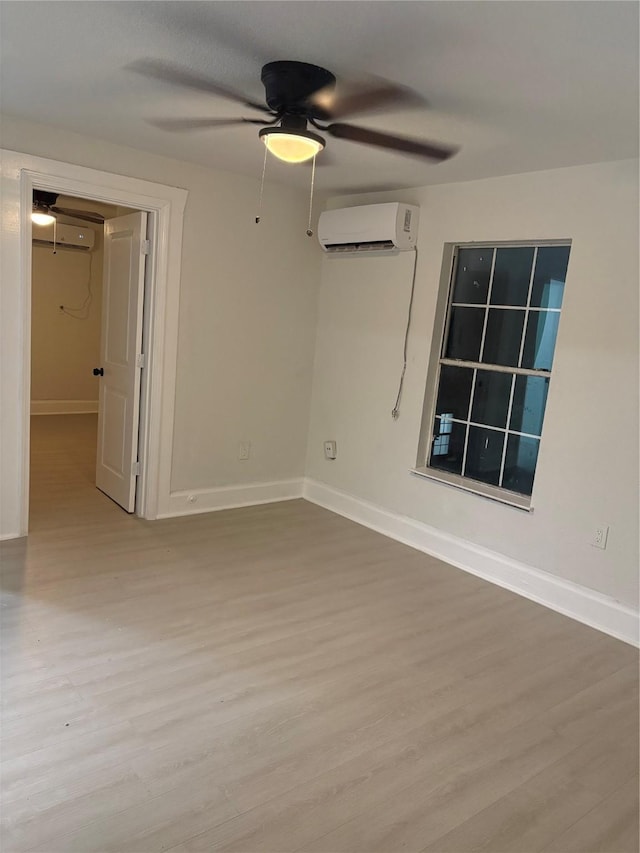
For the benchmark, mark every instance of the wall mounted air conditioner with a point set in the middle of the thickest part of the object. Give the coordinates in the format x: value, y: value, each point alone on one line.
x: 69, y: 236
x: 389, y: 227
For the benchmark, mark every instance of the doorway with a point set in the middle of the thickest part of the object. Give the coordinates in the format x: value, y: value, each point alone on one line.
x: 87, y: 308
x: 20, y: 174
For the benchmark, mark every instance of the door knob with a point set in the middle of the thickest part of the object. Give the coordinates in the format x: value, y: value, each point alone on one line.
x: 98, y: 371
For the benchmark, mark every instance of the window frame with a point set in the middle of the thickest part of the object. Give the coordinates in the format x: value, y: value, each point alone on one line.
x: 437, y: 360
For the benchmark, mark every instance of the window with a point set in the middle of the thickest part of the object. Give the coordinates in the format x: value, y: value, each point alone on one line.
x: 489, y: 378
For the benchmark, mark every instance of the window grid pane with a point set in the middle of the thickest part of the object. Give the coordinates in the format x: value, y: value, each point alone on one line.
x: 529, y: 403
x: 454, y: 391
x: 550, y: 276
x: 521, y: 458
x: 446, y: 418
x: 486, y: 310
x: 473, y: 272
x: 509, y: 411
x: 540, y: 340
x: 508, y: 307
x: 495, y: 452
x: 528, y: 310
x: 491, y: 397
x: 478, y: 365
x: 484, y: 454
x: 466, y: 329
x: 503, y: 338
x: 449, y: 439
x: 512, y: 276
x: 466, y: 438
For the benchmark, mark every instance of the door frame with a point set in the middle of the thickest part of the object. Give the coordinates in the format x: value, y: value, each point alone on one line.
x: 21, y: 174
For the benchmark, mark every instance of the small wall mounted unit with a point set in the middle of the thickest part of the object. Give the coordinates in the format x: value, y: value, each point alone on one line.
x: 68, y: 236
x: 390, y: 227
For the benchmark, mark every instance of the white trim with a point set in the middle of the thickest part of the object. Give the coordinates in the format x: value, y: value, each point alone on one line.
x: 21, y: 173
x: 231, y: 497
x: 578, y: 602
x: 64, y: 407
x: 476, y: 487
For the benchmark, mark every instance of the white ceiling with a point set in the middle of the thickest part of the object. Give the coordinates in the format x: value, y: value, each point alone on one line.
x: 520, y: 86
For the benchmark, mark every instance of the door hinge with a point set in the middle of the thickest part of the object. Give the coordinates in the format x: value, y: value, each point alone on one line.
x: 136, y: 469
x: 146, y: 247
x: 140, y: 360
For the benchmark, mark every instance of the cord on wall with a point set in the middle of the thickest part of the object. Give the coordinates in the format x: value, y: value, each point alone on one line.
x: 395, y: 412
x: 82, y: 311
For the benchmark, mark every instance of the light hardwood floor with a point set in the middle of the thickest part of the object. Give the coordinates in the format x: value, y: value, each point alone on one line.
x: 278, y: 678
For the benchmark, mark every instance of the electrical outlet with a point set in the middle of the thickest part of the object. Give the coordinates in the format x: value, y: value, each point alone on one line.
x: 330, y: 450
x: 600, y: 535
x: 244, y: 450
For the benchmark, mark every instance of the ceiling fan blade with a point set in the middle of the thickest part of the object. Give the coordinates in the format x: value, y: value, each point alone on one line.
x: 180, y: 124
x: 186, y: 124
x: 353, y: 100
x: 406, y: 145
x: 179, y: 77
x: 87, y: 215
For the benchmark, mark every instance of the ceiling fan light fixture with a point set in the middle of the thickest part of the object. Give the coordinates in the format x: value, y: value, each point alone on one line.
x: 291, y: 146
x: 39, y: 218
x: 40, y: 214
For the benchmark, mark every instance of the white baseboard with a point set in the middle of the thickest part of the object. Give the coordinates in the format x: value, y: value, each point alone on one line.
x: 64, y: 407
x: 193, y: 501
x: 578, y: 602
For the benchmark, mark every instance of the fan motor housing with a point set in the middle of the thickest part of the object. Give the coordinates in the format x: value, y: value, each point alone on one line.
x: 44, y: 198
x: 288, y: 84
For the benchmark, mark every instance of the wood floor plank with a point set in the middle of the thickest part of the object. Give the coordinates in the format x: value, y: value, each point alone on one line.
x: 420, y: 814
x: 153, y: 824
x: 51, y: 812
x: 599, y: 706
x: 332, y: 736
x: 426, y: 757
x: 525, y: 819
x: 610, y: 827
x: 278, y: 678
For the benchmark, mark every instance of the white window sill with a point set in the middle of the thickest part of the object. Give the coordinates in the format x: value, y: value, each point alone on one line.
x: 493, y: 493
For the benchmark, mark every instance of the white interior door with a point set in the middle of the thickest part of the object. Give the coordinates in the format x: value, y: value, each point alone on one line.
x: 120, y: 348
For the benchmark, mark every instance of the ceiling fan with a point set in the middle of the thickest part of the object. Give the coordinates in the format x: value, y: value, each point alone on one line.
x: 298, y: 94
x: 44, y: 209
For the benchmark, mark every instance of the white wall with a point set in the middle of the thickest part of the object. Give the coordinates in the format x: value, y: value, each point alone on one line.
x: 65, y: 348
x: 588, y: 466
x: 247, y: 311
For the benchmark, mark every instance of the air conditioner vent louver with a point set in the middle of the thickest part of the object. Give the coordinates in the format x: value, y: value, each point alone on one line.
x: 371, y: 246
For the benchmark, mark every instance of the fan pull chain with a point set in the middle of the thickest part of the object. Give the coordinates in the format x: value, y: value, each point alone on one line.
x: 264, y: 170
x: 313, y: 178
x: 55, y: 235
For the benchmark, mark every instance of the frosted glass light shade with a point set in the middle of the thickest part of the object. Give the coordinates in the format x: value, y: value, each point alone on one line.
x: 42, y: 218
x: 292, y: 147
